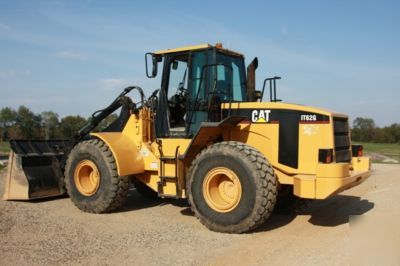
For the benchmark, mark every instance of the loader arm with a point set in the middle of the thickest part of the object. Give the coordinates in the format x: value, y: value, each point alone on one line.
x: 36, y: 167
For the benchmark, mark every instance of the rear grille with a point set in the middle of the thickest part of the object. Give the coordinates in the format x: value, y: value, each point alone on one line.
x: 342, y: 139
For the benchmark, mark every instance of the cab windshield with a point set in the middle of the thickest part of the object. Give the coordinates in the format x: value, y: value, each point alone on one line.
x: 215, y: 77
x: 231, y: 78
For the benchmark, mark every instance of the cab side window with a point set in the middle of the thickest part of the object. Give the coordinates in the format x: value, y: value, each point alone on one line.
x: 176, y: 93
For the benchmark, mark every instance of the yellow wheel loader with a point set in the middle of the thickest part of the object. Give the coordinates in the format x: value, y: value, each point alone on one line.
x: 205, y: 135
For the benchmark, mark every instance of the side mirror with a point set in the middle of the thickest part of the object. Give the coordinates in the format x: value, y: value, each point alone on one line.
x: 154, y: 61
x: 257, y: 95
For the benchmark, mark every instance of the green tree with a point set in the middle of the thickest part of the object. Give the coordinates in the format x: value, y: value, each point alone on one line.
x: 8, y: 118
x: 28, y: 123
x: 50, y: 124
x: 71, y: 124
x: 393, y: 133
x: 363, y: 129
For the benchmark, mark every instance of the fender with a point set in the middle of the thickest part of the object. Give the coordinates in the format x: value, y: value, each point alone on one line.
x: 126, y: 153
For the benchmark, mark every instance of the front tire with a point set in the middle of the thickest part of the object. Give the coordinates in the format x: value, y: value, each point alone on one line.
x: 231, y: 187
x: 92, y: 180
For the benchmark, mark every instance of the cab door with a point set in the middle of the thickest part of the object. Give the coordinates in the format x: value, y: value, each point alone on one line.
x: 171, y: 110
x: 198, y: 91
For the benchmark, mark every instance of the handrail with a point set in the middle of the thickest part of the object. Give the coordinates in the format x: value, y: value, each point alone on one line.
x: 272, y: 89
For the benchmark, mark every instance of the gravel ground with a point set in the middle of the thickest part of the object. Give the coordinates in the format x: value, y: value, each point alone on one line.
x: 165, y: 232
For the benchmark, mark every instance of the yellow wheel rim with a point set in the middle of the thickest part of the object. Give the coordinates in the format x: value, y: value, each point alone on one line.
x: 87, y: 177
x: 222, y: 189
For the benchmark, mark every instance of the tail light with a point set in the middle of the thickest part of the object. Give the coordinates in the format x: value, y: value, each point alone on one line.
x: 325, y: 155
x: 357, y: 150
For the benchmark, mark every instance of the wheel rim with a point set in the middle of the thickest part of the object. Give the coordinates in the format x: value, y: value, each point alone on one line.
x: 87, y: 177
x: 222, y: 189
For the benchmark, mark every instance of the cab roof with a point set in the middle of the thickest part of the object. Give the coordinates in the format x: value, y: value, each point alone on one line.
x: 197, y: 47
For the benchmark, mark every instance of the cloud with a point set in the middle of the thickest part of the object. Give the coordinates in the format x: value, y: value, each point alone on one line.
x: 70, y: 55
x: 113, y: 83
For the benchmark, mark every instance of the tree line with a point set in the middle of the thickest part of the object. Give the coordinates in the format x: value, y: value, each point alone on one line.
x: 22, y: 123
x: 365, y: 129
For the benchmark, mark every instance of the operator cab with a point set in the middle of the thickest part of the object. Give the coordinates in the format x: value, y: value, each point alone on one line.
x: 196, y: 80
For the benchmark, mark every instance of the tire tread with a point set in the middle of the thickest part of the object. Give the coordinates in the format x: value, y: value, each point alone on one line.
x: 119, y: 184
x: 266, y: 182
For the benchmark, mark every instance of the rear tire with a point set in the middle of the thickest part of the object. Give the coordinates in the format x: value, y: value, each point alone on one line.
x: 231, y: 187
x: 92, y: 180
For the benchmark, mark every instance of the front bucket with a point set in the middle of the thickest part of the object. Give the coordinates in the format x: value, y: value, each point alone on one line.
x: 35, y: 169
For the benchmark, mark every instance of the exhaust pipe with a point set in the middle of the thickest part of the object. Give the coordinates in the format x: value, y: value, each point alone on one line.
x: 251, y: 79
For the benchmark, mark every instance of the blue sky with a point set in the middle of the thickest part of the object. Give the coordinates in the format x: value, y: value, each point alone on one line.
x: 73, y: 57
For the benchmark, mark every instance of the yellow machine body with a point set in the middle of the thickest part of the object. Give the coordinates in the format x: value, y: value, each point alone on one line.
x: 205, y: 135
x: 162, y: 163
x: 138, y: 152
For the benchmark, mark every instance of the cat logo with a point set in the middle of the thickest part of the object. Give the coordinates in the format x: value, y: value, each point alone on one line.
x: 260, y: 116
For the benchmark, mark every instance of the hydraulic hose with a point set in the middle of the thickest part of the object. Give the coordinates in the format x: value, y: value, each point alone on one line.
x: 100, y: 115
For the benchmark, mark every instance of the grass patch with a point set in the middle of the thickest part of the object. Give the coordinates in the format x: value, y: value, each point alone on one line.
x: 4, y: 147
x: 381, y: 152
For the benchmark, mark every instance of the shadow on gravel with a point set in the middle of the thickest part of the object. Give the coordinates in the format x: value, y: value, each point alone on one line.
x: 336, y: 211
x: 41, y: 200
x: 187, y: 211
x: 275, y: 221
x: 331, y: 212
x: 135, y: 201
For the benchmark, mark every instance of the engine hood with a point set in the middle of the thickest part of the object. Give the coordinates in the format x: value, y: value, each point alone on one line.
x: 266, y: 106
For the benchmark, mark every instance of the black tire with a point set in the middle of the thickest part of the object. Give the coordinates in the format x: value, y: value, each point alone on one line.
x: 144, y: 190
x: 257, y: 180
x: 112, y: 190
